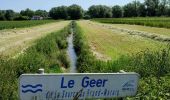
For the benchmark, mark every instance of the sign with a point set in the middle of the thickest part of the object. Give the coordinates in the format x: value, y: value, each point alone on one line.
x: 77, y: 86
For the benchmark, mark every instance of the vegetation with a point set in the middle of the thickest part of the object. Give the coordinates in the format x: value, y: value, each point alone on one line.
x: 117, y: 11
x: 100, y: 11
x: 64, y: 12
x: 145, y: 21
x: 153, y: 66
x: 21, y: 24
x: 75, y: 12
x: 132, y: 9
x: 86, y: 61
x: 140, y: 28
x: 99, y: 49
x: 59, y: 12
x: 26, y: 14
x: 113, y: 44
x: 48, y: 53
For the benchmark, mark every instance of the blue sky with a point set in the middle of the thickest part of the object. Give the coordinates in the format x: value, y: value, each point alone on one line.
x: 18, y: 5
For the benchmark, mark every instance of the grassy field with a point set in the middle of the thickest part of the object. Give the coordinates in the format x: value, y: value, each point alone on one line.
x: 100, y: 48
x: 151, y: 59
x: 13, y: 41
x: 21, y: 24
x: 48, y: 52
x: 158, y: 31
x: 113, y: 44
x: 154, y: 30
x: 163, y: 22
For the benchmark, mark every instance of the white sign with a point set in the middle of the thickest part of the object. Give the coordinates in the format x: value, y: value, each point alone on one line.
x: 81, y: 86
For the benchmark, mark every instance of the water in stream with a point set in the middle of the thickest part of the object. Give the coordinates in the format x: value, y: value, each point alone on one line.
x: 71, y: 54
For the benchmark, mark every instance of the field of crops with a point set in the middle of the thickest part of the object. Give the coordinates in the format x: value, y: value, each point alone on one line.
x: 163, y: 22
x: 149, y: 58
x: 21, y: 24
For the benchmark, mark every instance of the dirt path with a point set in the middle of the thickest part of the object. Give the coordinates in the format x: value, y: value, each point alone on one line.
x: 14, y: 40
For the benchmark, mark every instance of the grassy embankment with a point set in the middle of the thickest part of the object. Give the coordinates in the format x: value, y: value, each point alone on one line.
x: 48, y: 52
x: 14, y: 41
x: 152, y: 63
x: 163, y: 22
x: 21, y: 24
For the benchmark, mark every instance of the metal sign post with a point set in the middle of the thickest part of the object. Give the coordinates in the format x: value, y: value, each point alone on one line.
x: 77, y: 86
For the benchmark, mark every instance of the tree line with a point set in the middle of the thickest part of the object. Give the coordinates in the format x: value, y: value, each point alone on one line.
x: 23, y: 15
x: 132, y: 9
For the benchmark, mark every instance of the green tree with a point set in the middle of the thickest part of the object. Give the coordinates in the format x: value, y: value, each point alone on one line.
x: 75, y: 12
x: 100, y: 11
x: 105, y: 11
x: 134, y: 9
x: 162, y: 9
x: 117, y: 11
x: 141, y: 10
x: 42, y: 13
x: 28, y: 12
x: 130, y: 10
x: 93, y: 11
x: 152, y: 7
x: 2, y: 15
x: 59, y: 12
x: 9, y: 14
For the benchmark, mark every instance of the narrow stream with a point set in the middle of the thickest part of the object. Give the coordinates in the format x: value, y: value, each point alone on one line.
x: 71, y: 53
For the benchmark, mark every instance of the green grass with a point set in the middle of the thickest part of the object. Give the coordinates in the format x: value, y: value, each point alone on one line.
x: 45, y: 53
x: 163, y: 22
x: 86, y: 61
x: 152, y: 65
x: 140, y: 28
x: 114, y: 44
x: 21, y: 24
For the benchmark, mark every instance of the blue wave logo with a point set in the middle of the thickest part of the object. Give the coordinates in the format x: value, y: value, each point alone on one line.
x: 129, y: 86
x: 32, y: 88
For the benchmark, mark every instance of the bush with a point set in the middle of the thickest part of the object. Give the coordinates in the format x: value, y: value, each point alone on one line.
x: 19, y: 18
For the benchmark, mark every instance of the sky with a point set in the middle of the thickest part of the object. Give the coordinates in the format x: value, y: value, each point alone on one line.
x: 18, y: 5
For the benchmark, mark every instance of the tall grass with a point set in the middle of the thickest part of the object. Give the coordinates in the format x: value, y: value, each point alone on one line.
x: 162, y: 22
x: 152, y: 63
x: 86, y: 62
x: 153, y: 66
x: 48, y: 52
